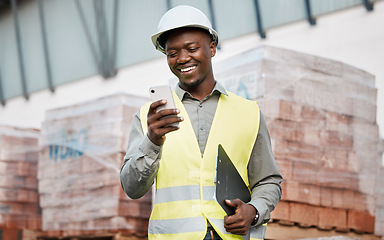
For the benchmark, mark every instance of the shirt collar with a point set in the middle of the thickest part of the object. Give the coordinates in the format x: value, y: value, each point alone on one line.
x: 218, y: 88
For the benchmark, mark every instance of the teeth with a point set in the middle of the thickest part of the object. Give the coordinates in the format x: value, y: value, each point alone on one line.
x: 187, y: 69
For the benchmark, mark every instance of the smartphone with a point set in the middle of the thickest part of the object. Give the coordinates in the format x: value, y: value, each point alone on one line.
x: 163, y: 92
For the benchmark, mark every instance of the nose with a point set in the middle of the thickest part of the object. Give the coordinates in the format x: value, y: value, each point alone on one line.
x: 183, y: 56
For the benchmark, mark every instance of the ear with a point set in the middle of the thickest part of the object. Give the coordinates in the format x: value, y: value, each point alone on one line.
x: 212, y: 48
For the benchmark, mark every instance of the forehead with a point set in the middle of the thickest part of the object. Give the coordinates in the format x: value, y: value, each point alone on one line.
x: 185, y: 34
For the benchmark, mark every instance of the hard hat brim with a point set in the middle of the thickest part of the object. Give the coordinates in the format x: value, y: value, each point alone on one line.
x: 155, y: 37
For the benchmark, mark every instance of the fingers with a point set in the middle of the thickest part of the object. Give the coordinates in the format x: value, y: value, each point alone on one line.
x: 234, y: 203
x: 240, y: 222
x: 156, y: 104
x: 159, y: 122
x: 236, y: 225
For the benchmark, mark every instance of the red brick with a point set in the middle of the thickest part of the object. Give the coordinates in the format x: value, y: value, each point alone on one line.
x: 301, y: 192
x: 23, y: 168
x: 31, y: 209
x: 15, y: 221
x: 135, y: 208
x: 305, y: 172
x: 304, y: 213
x: 335, y: 158
x: 309, y: 115
x: 332, y: 217
x: 338, y: 122
x: 342, y: 198
x: 280, y: 148
x: 337, y: 198
x: 11, y: 208
x: 313, y: 115
x: 285, y: 168
x: 361, y: 221
x: 305, y: 153
x: 326, y: 197
x: 281, y: 211
x: 31, y: 183
x: 9, y: 234
x: 309, y: 134
x: 335, y: 138
x: 8, y: 194
x: 14, y: 139
x: 283, y: 129
x: 123, y: 195
x: 284, y: 192
x: 353, y: 162
x: 30, y: 196
x: 354, y: 200
x: 337, y: 179
x: 285, y: 110
x: 34, y: 222
x: 9, y: 181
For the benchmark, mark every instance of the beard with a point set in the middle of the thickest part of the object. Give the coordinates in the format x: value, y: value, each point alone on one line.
x: 190, y: 84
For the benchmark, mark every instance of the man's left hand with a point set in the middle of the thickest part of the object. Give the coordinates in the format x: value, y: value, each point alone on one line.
x: 240, y: 222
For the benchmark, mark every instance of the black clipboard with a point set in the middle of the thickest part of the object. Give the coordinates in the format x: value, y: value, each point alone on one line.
x: 229, y: 184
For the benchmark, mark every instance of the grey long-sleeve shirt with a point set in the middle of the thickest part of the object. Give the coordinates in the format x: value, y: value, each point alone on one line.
x: 141, y: 161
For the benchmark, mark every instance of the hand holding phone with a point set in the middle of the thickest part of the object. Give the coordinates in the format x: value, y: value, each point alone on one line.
x: 164, y: 92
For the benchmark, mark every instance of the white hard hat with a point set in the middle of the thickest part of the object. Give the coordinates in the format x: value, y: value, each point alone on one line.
x: 183, y: 16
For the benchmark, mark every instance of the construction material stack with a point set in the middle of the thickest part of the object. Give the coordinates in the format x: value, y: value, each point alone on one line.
x: 82, y: 150
x: 19, y: 203
x: 379, y: 226
x: 321, y: 115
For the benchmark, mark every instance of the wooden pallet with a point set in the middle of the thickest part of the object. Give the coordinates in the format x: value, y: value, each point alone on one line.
x: 289, y: 230
x: 94, y: 236
x: 18, y: 234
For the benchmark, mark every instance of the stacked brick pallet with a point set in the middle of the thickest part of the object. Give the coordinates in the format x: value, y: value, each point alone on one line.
x: 379, y: 226
x: 322, y: 119
x: 82, y: 148
x: 19, y: 202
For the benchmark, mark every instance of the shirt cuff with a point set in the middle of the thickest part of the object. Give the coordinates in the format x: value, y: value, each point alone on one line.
x: 263, y: 211
x: 149, y: 149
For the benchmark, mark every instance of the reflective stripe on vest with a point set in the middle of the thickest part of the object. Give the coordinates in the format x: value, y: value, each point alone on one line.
x: 181, y: 193
x: 185, y: 185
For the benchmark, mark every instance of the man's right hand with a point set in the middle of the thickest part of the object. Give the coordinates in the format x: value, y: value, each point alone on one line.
x: 158, y: 126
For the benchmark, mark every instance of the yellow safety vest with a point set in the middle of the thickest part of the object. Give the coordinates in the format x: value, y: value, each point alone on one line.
x: 185, y: 185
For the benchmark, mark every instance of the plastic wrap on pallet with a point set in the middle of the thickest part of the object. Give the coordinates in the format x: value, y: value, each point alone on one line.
x: 321, y: 115
x: 379, y: 227
x: 19, y: 202
x: 81, y: 152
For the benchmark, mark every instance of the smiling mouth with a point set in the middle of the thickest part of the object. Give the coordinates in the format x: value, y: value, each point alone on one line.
x: 183, y: 70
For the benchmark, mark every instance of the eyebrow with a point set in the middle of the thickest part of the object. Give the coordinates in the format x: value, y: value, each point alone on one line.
x: 186, y: 45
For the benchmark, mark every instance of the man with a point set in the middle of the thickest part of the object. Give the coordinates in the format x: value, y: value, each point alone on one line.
x: 182, y: 159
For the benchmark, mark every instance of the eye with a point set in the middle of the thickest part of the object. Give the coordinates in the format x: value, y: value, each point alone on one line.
x: 193, y: 49
x: 172, y: 54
